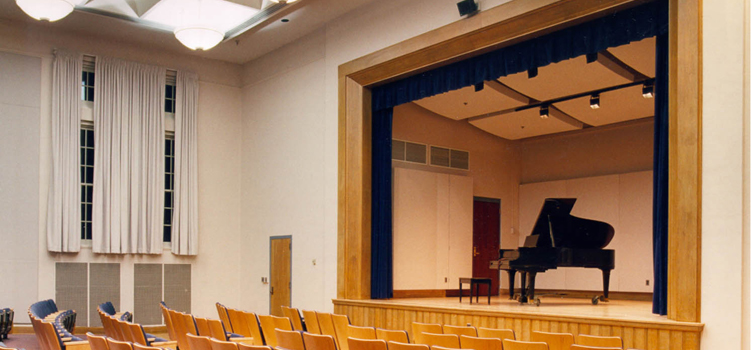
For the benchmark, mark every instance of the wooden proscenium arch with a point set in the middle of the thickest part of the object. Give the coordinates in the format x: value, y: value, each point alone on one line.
x: 497, y: 27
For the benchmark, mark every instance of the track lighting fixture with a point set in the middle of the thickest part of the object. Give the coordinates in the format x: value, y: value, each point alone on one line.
x: 648, y: 90
x: 595, y: 103
x: 544, y: 112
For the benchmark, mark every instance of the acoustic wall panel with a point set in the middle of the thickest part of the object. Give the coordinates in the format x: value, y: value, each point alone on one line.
x: 147, y: 293
x: 71, y: 284
x: 178, y: 286
x: 104, y: 285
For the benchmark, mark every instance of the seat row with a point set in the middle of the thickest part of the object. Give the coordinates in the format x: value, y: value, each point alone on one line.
x: 259, y: 327
x: 47, y: 310
x: 109, y: 310
x: 6, y: 322
x: 119, y: 330
x: 97, y: 342
x: 182, y: 325
x: 52, y: 338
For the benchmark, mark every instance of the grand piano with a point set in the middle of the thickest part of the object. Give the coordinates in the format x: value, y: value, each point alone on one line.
x: 558, y: 240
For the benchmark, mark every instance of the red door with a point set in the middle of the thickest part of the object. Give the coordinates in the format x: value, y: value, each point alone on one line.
x: 486, y: 240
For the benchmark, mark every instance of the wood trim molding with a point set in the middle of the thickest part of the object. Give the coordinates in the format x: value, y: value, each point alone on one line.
x: 497, y: 27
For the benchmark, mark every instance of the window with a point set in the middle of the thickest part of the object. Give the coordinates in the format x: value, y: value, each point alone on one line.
x: 87, y: 86
x: 169, y: 182
x: 169, y: 98
x: 87, y: 181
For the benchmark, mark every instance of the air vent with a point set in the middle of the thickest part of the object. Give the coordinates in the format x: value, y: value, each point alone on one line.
x: 450, y: 158
x: 71, y: 284
x: 409, y: 151
x: 178, y: 287
x: 147, y: 291
x: 104, y: 285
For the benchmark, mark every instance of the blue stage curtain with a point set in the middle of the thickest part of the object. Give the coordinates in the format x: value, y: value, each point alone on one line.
x: 661, y: 173
x: 381, y: 204
x: 588, y: 38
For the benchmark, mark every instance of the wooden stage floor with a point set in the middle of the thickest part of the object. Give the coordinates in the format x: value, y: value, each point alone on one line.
x: 631, y: 320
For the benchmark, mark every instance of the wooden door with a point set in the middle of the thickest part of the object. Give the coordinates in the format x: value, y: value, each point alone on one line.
x: 279, y: 271
x: 486, y: 240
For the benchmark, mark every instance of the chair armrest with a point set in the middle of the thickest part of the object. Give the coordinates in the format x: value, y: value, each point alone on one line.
x: 248, y: 340
x: 170, y: 344
x: 66, y: 339
x: 77, y: 345
x: 150, y: 339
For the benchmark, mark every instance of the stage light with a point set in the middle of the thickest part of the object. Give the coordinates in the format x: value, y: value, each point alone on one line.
x: 648, y: 90
x: 467, y: 7
x: 544, y: 112
x: 595, y: 103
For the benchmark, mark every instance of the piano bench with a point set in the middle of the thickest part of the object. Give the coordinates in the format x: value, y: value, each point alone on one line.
x: 475, y: 281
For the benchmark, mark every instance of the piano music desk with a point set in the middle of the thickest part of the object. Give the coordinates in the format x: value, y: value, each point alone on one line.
x: 475, y: 281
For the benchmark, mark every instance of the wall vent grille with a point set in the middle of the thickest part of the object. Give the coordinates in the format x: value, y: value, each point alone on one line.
x: 450, y: 158
x: 178, y: 287
x: 104, y: 285
x: 147, y: 293
x: 408, y: 151
x: 71, y: 284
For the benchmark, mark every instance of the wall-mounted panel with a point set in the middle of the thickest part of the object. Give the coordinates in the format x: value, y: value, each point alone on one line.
x: 104, y: 286
x: 71, y: 289
x: 147, y: 291
x: 178, y: 286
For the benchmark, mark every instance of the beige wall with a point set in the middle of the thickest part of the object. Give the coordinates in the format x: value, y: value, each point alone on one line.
x: 593, y: 152
x: 215, y: 270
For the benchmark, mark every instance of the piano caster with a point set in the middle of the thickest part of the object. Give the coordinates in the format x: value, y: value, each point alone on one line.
x: 536, y: 301
x: 595, y: 300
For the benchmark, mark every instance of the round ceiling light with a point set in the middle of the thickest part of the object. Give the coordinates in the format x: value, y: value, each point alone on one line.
x: 47, y: 10
x: 199, y: 37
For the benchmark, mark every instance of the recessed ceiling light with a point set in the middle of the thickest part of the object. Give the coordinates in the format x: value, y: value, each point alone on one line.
x: 648, y: 90
x: 544, y: 112
x: 595, y: 101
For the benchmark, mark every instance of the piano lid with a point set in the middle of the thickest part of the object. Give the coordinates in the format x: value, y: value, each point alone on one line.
x: 555, y: 227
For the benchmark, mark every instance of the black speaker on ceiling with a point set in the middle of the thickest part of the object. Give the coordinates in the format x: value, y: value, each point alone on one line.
x: 467, y: 7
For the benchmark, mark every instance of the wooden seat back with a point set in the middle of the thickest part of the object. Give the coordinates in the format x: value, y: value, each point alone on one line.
x: 217, y: 330
x: 509, y: 344
x: 243, y: 346
x: 137, y: 333
x: 391, y: 345
x: 444, y: 340
x: 326, y: 325
x: 389, y: 335
x: 197, y: 342
x: 144, y: 347
x: 168, y: 323
x: 254, y: 327
x: 436, y: 347
x: 113, y: 344
x: 294, y: 316
x: 475, y: 343
x: 222, y: 312
x: 319, y: 342
x: 556, y: 341
x: 593, y: 340
x: 290, y: 340
x: 202, y: 326
x: 500, y: 334
x: 341, y: 323
x: 239, y: 321
x: 417, y: 328
x: 312, y: 324
x: 366, y: 344
x: 361, y: 333
x: 97, y: 342
x: 586, y: 347
x: 460, y: 330
x: 223, y: 345
x: 268, y: 325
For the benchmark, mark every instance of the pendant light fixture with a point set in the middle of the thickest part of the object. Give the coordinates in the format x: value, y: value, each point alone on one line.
x: 195, y: 33
x: 47, y: 10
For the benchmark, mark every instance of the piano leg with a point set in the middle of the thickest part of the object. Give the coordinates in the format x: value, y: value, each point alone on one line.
x: 532, y: 285
x: 511, y: 280
x: 605, y: 280
x: 523, y: 276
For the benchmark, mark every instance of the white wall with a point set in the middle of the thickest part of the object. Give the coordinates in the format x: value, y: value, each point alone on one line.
x: 215, y: 269
x: 624, y: 201
x: 20, y: 83
x: 432, y: 229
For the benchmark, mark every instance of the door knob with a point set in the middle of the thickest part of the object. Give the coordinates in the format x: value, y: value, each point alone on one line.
x: 475, y: 252
x: 271, y: 290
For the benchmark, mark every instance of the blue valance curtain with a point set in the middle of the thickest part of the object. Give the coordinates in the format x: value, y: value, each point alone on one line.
x: 617, y: 29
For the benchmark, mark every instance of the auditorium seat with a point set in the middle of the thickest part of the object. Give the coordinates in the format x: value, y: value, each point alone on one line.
x: 319, y: 342
x: 222, y: 312
x: 361, y: 332
x: 113, y: 344
x: 326, y: 325
x: 202, y: 326
x: 217, y: 331
x: 6, y: 322
x: 109, y: 310
x: 139, y: 336
x: 556, y: 341
x: 268, y: 325
x: 366, y: 344
x: 142, y: 347
x: 312, y: 324
x: 197, y: 342
x: 50, y: 338
x: 500, y: 334
x: 223, y: 345
x: 444, y: 340
x: 97, y: 342
x: 242, y: 346
x: 509, y: 344
x: 245, y: 324
x: 585, y: 347
x: 436, y: 347
x: 168, y: 321
x: 593, y: 340
x: 254, y: 327
x: 475, y: 343
x: 391, y: 345
x: 389, y: 335
x: 294, y: 316
x: 290, y: 340
x: 341, y: 323
x: 417, y: 328
x: 460, y: 330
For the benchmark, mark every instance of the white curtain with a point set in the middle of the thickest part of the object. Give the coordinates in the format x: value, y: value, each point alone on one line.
x: 64, y: 197
x: 129, y: 158
x: 186, y: 205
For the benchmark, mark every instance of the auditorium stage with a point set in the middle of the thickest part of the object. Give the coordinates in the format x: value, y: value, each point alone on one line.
x: 632, y: 320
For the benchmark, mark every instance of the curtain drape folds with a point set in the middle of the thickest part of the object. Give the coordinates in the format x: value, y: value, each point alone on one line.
x: 661, y: 174
x: 64, y: 197
x: 129, y: 134
x: 381, y: 205
x: 588, y: 38
x: 186, y: 204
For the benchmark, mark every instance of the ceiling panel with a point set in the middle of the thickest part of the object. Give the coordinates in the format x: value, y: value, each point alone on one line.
x: 616, y: 106
x: 641, y: 55
x: 466, y: 103
x: 564, y: 79
x: 523, y: 124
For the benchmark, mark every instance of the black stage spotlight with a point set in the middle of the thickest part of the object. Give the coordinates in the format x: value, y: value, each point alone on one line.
x: 648, y: 90
x: 544, y: 112
x: 467, y: 7
x: 595, y: 101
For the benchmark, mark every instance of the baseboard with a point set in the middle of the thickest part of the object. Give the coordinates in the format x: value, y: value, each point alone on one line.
x: 430, y: 293
x: 28, y: 329
x: 637, y: 296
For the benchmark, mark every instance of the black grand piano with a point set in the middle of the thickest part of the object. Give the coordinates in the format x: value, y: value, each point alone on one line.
x: 558, y: 240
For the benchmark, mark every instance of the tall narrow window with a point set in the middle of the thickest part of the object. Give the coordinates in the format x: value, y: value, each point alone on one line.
x: 87, y: 181
x: 87, y: 86
x: 169, y: 182
x: 170, y: 98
